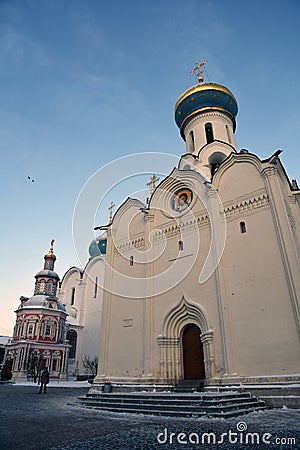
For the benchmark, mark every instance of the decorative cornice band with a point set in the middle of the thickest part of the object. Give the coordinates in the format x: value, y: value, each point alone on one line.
x: 246, y: 207
x: 269, y: 171
x: 207, y: 115
x: 138, y: 242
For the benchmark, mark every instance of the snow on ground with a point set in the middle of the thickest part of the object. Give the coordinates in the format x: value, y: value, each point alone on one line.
x: 56, y: 384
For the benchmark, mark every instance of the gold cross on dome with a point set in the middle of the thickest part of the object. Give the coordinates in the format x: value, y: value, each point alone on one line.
x: 151, y: 184
x: 51, y: 246
x: 110, y: 209
x: 197, y: 70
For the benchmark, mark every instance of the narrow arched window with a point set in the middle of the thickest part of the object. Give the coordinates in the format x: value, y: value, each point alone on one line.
x: 72, y: 296
x: 49, y: 287
x: 180, y: 245
x: 192, y: 141
x: 72, y: 338
x: 228, y: 135
x: 131, y: 260
x: 96, y: 287
x: 243, y: 227
x: 209, y: 132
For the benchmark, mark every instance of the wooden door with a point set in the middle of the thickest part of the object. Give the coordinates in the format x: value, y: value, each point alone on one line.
x: 193, y: 360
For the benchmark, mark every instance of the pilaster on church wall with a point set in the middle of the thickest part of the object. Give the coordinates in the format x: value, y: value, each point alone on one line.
x: 285, y: 238
x: 89, y: 337
x: 218, y: 224
x: 277, y: 201
x: 295, y: 221
x: 295, y: 205
x: 105, y: 318
x: 80, y: 319
x: 148, y: 301
x: 61, y: 295
x: 80, y: 301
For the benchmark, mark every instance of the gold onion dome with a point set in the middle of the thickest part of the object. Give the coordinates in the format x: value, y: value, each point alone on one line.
x: 50, y: 254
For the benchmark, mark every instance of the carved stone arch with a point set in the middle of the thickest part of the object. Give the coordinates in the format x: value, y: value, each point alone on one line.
x: 183, y: 314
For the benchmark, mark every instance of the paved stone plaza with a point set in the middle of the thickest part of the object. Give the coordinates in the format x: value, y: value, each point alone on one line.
x: 53, y: 421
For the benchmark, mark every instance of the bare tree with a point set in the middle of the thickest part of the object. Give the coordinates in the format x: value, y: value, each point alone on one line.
x: 90, y: 364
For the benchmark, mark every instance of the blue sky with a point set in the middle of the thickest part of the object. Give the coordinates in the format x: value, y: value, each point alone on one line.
x: 84, y: 82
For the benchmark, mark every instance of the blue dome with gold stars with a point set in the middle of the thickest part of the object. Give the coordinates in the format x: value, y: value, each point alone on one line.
x: 98, y: 245
x: 202, y: 98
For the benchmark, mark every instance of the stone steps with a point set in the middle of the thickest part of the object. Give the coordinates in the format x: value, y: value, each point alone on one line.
x: 174, y: 404
x: 277, y: 395
x: 188, y: 386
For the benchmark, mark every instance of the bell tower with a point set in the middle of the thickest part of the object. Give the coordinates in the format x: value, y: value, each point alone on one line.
x: 46, y: 280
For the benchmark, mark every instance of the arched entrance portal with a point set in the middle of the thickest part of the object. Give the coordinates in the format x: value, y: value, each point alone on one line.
x: 193, y: 359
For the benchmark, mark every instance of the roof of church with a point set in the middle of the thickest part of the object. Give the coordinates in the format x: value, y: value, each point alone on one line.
x: 42, y: 301
x: 204, y: 97
x: 47, y: 273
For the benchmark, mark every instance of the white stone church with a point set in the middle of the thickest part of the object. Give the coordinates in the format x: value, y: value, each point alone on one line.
x: 205, y: 282
x: 202, y: 282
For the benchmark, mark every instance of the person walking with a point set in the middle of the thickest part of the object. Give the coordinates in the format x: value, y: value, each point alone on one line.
x: 44, y: 380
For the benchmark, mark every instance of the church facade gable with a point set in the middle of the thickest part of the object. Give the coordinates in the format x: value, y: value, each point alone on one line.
x: 82, y: 292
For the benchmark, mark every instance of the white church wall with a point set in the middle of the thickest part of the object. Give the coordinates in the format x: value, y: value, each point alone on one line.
x: 89, y: 335
x: 259, y: 300
x: 263, y: 322
x: 246, y: 304
x: 84, y: 305
x: 69, y: 294
x: 126, y: 359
